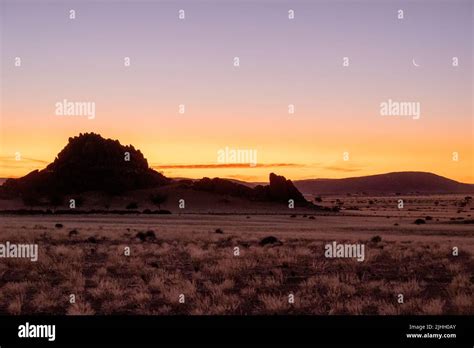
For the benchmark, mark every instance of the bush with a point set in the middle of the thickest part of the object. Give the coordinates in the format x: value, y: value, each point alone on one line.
x: 270, y: 240
x: 376, y: 239
x: 158, y: 199
x: 147, y: 236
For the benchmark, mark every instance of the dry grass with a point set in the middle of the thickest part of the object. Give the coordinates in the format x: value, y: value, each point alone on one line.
x: 202, y: 267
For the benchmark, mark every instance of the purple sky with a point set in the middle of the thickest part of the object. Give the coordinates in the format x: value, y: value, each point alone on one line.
x: 282, y: 61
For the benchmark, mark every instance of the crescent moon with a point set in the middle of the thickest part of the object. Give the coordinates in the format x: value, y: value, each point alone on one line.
x: 414, y: 63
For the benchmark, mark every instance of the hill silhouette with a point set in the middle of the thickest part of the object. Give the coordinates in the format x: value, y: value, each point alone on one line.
x: 90, y: 162
x: 397, y: 182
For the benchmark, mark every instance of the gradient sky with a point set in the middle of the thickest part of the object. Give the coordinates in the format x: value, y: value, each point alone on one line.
x: 282, y: 62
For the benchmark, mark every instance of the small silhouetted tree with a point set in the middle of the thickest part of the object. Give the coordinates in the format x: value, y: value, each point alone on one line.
x: 158, y: 199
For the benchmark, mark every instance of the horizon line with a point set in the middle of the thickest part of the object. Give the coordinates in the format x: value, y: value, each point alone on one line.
x: 270, y: 165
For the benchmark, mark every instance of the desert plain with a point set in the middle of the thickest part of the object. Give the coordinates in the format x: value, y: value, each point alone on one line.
x: 204, y: 262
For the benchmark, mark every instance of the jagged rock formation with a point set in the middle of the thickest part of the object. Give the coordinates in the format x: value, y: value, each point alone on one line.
x: 278, y: 190
x: 89, y: 163
x: 281, y: 189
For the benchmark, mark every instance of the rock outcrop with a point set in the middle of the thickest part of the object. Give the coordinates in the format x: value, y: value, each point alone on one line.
x: 89, y: 163
x: 279, y: 190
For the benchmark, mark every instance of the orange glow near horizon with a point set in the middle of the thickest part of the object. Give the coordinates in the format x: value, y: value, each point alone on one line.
x: 308, y: 144
x: 304, y: 159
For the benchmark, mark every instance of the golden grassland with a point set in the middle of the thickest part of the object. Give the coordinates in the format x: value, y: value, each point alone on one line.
x: 184, y: 255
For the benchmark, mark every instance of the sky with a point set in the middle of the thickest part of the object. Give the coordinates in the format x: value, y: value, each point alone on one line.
x: 336, y: 130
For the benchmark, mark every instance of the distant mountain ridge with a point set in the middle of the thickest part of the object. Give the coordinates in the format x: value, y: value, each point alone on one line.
x: 395, y: 182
